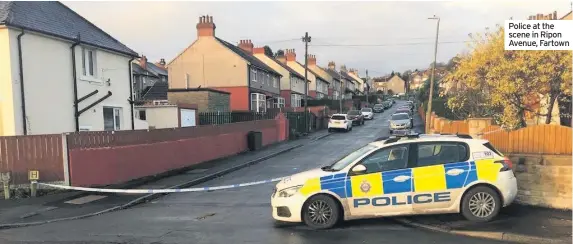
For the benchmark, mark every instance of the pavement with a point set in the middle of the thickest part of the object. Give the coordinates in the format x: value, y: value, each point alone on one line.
x: 75, y: 205
x: 240, y: 215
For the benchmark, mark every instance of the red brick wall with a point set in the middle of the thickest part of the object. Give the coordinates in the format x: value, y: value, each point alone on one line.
x: 128, y: 157
x: 286, y: 95
x: 312, y: 94
x: 239, y: 97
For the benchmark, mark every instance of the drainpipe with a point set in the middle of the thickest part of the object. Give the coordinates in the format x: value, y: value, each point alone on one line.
x: 131, y: 94
x: 75, y: 81
x: 22, y: 98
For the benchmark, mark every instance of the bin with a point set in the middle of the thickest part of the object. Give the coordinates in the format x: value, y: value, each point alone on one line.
x: 254, y: 140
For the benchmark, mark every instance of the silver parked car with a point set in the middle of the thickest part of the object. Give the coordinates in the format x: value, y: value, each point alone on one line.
x: 400, y: 121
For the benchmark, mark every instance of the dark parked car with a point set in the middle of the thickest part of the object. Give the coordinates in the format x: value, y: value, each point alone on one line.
x: 379, y: 108
x: 356, y: 117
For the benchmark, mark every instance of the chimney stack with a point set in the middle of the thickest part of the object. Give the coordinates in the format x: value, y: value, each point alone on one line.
x: 162, y: 62
x: 290, y: 55
x: 311, y: 60
x: 246, y: 45
x: 205, y: 27
x: 331, y: 65
x: 282, y: 58
x: 354, y: 72
x: 143, y: 62
x: 343, y: 68
x: 259, y: 50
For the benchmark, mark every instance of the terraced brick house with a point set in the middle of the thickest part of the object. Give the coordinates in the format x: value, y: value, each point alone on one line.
x: 211, y: 62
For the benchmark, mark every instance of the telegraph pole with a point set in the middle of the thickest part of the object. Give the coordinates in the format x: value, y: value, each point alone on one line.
x: 367, y: 88
x: 429, y: 112
x: 306, y: 40
x: 341, y: 91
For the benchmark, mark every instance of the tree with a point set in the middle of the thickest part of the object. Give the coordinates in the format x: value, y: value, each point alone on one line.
x: 268, y: 51
x: 279, y: 53
x: 507, y: 83
x: 390, y: 92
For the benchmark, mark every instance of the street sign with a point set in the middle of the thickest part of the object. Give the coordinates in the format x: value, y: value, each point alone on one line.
x: 33, y: 175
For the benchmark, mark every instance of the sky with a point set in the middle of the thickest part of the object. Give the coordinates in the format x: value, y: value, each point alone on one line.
x: 384, y: 36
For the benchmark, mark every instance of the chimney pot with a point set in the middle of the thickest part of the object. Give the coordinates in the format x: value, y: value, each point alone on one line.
x: 206, y: 27
x: 143, y: 62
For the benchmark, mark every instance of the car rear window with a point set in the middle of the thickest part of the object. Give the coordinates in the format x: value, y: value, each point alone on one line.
x: 400, y: 117
x: 378, y: 105
x: 490, y: 147
x: 338, y: 117
x: 354, y: 112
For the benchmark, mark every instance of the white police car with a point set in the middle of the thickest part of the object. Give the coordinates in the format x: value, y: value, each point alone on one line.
x: 417, y: 174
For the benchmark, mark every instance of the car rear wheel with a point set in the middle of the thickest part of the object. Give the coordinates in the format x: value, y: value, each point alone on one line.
x: 321, y: 212
x: 481, y: 204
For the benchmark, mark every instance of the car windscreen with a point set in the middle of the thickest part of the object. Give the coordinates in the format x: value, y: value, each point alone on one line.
x: 400, y: 117
x: 366, y: 110
x: 348, y: 159
x: 338, y: 117
x: 354, y: 112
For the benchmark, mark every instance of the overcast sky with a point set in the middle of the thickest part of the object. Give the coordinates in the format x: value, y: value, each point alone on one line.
x: 163, y: 29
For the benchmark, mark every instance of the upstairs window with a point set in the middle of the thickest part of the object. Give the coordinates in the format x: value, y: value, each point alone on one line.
x: 253, y: 75
x: 89, y: 62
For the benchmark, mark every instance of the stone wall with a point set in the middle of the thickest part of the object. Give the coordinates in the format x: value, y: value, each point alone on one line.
x: 219, y: 102
x: 543, y: 180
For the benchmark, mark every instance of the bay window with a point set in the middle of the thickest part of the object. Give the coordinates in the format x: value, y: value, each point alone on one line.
x: 258, y: 102
x: 279, y: 102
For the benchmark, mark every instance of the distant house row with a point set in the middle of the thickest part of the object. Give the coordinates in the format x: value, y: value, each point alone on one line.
x: 255, y: 80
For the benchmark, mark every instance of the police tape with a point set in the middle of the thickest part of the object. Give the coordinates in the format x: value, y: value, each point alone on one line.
x: 148, y: 191
x: 493, y: 131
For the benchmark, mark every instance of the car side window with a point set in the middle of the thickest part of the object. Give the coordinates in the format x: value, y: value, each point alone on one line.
x: 386, y: 159
x: 436, y: 153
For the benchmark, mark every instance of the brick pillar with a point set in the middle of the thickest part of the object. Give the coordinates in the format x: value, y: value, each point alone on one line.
x: 282, y: 127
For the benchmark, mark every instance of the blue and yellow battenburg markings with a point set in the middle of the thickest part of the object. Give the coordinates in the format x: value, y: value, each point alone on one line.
x: 422, y: 179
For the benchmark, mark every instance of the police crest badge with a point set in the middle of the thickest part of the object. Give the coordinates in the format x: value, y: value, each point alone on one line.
x: 365, y: 186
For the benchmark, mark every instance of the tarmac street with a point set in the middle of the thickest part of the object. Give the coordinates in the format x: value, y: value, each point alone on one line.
x: 239, y: 215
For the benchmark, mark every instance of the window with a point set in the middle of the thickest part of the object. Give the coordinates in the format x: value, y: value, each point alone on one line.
x: 436, y: 153
x: 111, y: 118
x: 279, y: 102
x: 253, y: 75
x: 386, y: 159
x: 142, y: 115
x: 160, y: 102
x: 258, y: 102
x: 268, y: 79
x: 348, y: 159
x: 296, y: 100
x: 89, y: 62
x: 275, y: 82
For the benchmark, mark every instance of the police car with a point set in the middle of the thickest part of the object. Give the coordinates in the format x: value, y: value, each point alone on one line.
x: 414, y: 174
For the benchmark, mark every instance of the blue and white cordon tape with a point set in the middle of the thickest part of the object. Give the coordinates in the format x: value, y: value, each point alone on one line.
x: 147, y: 191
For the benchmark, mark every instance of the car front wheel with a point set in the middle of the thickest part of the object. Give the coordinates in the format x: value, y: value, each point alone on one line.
x: 481, y: 204
x: 321, y: 212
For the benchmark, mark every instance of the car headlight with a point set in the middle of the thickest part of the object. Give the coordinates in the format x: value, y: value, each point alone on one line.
x: 289, y: 192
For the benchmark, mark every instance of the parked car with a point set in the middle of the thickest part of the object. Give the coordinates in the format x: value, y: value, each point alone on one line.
x: 356, y: 117
x: 387, y: 104
x: 339, y: 122
x: 406, y: 110
x: 452, y: 174
x: 400, y: 121
x: 368, y: 113
x: 379, y: 108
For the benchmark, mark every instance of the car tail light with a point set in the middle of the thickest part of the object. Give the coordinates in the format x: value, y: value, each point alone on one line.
x: 507, y: 164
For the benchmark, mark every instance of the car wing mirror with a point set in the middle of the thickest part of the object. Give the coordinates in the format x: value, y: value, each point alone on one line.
x: 359, y: 169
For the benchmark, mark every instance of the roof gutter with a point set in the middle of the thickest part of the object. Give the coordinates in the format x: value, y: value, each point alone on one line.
x: 75, y: 81
x: 131, y: 93
x: 70, y: 39
x: 22, y: 93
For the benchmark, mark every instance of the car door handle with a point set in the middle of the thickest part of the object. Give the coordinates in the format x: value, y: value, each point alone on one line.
x: 402, y: 178
x: 454, y: 172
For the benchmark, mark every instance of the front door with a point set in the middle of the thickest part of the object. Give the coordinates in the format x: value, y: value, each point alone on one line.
x: 385, y: 186
x: 439, y: 174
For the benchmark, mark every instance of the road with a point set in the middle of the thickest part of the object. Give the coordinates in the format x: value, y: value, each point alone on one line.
x: 241, y: 215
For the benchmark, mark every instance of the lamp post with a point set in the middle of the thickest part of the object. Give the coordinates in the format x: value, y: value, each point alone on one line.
x: 429, y: 112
